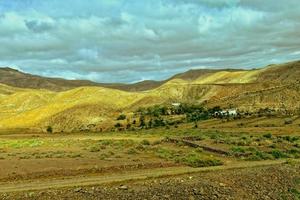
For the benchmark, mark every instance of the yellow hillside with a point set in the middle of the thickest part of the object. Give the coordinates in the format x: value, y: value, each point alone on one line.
x: 229, y: 77
x: 7, y: 90
x: 26, y: 109
x: 21, y: 108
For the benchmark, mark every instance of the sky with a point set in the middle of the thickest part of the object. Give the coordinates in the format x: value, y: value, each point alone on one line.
x: 133, y: 40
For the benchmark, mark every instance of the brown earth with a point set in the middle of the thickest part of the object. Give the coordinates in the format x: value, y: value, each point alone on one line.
x: 268, y: 182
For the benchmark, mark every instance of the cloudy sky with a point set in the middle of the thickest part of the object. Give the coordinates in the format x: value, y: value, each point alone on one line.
x: 133, y: 40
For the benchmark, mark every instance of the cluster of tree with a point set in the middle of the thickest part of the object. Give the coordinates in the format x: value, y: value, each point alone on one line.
x: 162, y: 110
x: 192, y: 112
x: 158, y: 122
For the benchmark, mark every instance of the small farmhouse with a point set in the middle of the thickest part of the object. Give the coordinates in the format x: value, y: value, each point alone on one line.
x: 229, y: 112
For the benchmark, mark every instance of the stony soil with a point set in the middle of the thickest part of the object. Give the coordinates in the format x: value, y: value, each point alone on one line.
x: 272, y: 182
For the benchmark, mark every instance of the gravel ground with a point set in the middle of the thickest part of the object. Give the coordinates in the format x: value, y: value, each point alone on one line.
x: 273, y: 182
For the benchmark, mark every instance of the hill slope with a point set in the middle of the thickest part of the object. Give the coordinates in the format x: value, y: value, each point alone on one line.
x: 275, y: 87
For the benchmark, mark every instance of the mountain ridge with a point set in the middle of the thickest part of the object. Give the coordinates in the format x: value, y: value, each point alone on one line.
x: 13, y: 77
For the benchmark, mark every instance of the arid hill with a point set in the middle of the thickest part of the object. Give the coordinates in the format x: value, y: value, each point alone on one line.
x: 15, y: 78
x: 276, y: 86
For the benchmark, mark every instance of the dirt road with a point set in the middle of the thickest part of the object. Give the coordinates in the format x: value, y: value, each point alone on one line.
x: 43, y: 184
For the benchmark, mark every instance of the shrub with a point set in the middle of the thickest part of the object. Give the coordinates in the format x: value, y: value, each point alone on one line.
x: 290, y: 138
x: 121, y: 117
x: 294, y: 151
x: 145, y: 142
x: 158, y: 122
x: 199, y: 150
x: 195, y: 125
x: 132, y: 151
x: 263, y: 155
x: 94, y: 149
x: 140, y: 147
x: 118, y: 125
x: 74, y: 155
x: 278, y: 154
x: 195, y: 160
x: 237, y: 150
x: 288, y: 121
x: 165, y: 153
x: 268, y: 135
x: 103, y: 156
x: 49, y: 129
x: 273, y: 146
x: 214, y: 136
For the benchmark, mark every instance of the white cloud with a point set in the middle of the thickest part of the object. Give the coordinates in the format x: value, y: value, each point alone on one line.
x: 102, y: 40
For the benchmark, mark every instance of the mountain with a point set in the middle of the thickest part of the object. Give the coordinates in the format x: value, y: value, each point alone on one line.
x: 52, y: 103
x: 15, y: 78
x: 19, y: 79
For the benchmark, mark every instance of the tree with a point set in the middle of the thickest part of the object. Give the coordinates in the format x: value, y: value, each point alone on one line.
x: 158, y: 122
x: 49, y: 129
x: 150, y: 123
x: 142, y: 121
x: 215, y: 109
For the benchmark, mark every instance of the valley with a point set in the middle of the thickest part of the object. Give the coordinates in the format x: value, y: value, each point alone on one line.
x: 274, y: 87
x: 209, y: 133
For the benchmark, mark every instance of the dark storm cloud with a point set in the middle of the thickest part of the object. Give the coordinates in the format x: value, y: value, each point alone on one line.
x: 126, y: 41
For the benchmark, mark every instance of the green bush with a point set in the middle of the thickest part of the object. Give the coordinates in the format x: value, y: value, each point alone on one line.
x: 145, y: 142
x: 94, y: 149
x: 238, y: 150
x: 263, y: 155
x: 132, y: 151
x: 142, y: 121
x: 121, y: 117
x: 277, y: 154
x: 268, y: 135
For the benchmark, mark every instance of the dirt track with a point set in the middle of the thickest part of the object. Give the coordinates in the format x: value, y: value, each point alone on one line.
x: 119, y: 177
x: 254, y: 181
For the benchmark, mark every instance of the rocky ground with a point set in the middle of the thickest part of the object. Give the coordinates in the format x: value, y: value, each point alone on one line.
x: 272, y: 182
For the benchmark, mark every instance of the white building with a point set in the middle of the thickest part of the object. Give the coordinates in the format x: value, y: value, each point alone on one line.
x: 229, y: 112
x: 176, y: 104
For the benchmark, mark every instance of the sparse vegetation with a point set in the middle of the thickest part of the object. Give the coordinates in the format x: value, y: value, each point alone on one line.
x: 151, y: 148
